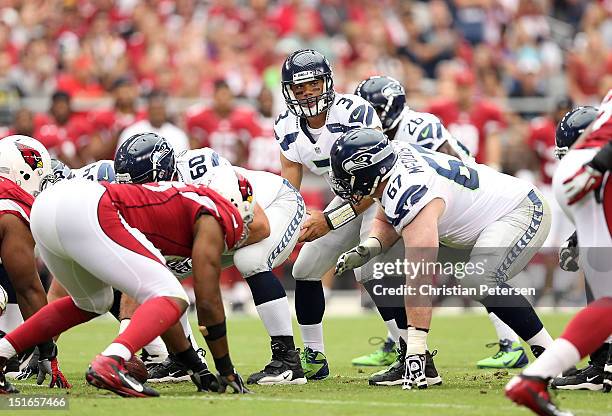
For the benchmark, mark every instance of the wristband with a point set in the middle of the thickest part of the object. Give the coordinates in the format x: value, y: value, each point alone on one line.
x: 224, y: 365
x: 214, y: 332
x: 337, y: 217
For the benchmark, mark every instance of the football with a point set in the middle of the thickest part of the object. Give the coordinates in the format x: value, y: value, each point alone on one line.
x: 3, y: 300
x: 137, y: 369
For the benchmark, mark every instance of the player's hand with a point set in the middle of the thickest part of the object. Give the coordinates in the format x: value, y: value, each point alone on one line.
x: 607, y: 378
x: 48, y: 365
x: 314, y: 227
x: 358, y: 256
x: 234, y: 382
x: 568, y: 254
x: 205, y: 381
x: 414, y: 372
x: 581, y: 183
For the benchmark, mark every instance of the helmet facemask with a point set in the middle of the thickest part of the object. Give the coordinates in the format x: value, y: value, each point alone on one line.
x: 311, y: 106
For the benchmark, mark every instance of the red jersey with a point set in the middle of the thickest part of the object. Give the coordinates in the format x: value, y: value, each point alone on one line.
x: 223, y: 135
x: 166, y: 212
x: 110, y: 123
x: 263, y: 148
x: 62, y: 139
x: 14, y: 200
x: 471, y: 127
x: 541, y: 139
x: 601, y: 132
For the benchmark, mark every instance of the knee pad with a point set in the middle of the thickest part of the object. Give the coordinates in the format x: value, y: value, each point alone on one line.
x: 99, y: 302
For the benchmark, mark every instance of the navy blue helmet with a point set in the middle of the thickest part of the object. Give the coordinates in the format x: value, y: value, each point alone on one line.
x: 305, y: 66
x: 387, y: 96
x: 359, y: 160
x: 571, y: 126
x: 144, y: 157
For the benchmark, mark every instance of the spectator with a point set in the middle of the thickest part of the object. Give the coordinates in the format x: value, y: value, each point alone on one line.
x: 157, y: 121
x: 23, y: 123
x: 223, y: 126
x: 588, y: 62
x: 477, y: 123
x: 263, y: 149
x: 61, y: 130
x: 80, y: 80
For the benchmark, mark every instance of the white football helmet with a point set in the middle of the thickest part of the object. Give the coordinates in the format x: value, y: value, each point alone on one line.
x: 234, y: 187
x: 25, y: 161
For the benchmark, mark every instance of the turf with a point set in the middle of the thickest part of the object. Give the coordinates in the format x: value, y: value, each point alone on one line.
x: 459, y: 339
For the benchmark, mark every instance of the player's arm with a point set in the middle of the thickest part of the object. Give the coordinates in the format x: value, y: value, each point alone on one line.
x: 320, y: 223
x: 259, y: 228
x: 292, y: 171
x: 448, y: 149
x: 17, y: 252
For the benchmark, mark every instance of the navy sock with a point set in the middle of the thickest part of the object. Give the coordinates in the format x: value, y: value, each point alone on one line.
x: 114, y: 310
x: 400, y: 317
x: 309, y: 302
x: 516, y: 312
x: 387, y: 313
x: 265, y: 287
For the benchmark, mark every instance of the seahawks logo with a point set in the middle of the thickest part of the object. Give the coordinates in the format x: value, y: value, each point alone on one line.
x: 392, y: 89
x: 359, y: 161
x: 160, y: 151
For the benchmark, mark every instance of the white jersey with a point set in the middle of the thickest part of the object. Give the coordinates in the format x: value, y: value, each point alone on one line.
x: 191, y: 165
x: 310, y: 147
x: 475, y: 195
x: 102, y: 170
x: 427, y: 130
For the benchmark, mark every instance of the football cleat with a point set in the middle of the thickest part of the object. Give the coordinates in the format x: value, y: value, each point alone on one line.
x: 170, y: 370
x: 285, y: 368
x: 23, y: 366
x: 510, y: 355
x: 383, y: 356
x: 151, y: 360
x: 589, y: 378
x: 109, y: 373
x: 314, y: 364
x: 5, y: 386
x: 532, y: 393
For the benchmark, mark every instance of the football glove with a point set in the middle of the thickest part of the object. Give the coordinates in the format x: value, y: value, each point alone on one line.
x: 234, y: 382
x: 205, y: 380
x: 414, y: 373
x: 581, y: 183
x: 358, y: 256
x: 568, y: 254
x: 48, y: 365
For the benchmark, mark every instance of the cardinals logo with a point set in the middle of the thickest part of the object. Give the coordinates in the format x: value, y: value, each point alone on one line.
x: 30, y: 156
x: 245, y: 188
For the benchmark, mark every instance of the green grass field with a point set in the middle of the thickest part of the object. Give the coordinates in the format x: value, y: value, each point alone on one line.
x: 459, y: 339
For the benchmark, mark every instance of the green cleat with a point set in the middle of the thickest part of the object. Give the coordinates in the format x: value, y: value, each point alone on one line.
x: 383, y: 356
x: 314, y: 364
x: 510, y: 355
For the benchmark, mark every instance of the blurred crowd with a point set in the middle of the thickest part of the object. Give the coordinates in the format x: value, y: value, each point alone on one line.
x: 225, y: 56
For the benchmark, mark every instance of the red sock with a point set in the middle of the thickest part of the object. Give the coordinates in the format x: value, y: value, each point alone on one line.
x: 150, y: 320
x: 49, y: 321
x: 590, y: 327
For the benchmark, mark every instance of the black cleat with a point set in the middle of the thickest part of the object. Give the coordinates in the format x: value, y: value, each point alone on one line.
x: 589, y: 378
x: 170, y: 370
x: 394, y: 374
x: 285, y: 367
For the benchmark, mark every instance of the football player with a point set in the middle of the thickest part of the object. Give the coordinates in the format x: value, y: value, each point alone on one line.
x: 25, y: 168
x: 401, y: 123
x: 315, y: 118
x: 96, y: 236
x: 429, y: 198
x: 584, y: 191
x: 284, y: 208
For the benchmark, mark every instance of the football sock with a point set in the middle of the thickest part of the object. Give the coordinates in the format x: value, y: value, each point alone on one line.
x: 309, y: 308
x: 156, y: 348
x: 11, y: 318
x: 187, y: 330
x: 417, y: 341
x: 118, y: 350
x: 271, y: 303
x: 151, y: 319
x: 503, y: 331
x: 558, y: 357
x: 590, y: 327
x: 387, y: 313
x: 190, y: 359
x: 541, y: 339
x: 114, y: 310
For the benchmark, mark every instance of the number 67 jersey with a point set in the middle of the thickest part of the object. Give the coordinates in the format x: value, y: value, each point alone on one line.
x: 474, y: 194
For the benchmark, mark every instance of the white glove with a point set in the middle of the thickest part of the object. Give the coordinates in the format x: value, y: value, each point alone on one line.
x: 358, y: 256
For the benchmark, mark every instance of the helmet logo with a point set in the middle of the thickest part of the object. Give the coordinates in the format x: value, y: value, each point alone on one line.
x: 358, y: 162
x: 30, y: 156
x: 392, y: 89
x: 161, y: 150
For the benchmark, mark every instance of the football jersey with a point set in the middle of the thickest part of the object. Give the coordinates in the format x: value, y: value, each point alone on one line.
x: 475, y: 195
x: 263, y: 150
x: 425, y: 129
x: 601, y: 132
x: 102, y: 170
x: 191, y: 166
x: 310, y: 148
x: 14, y: 200
x: 541, y: 139
x: 166, y: 212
